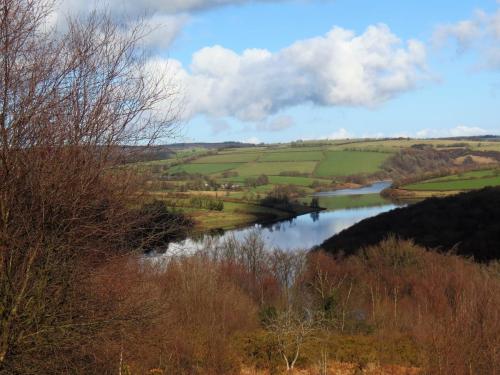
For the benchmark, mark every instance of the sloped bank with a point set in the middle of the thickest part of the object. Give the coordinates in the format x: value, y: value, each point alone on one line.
x: 467, y: 223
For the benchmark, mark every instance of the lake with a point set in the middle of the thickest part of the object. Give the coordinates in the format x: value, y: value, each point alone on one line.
x: 375, y: 188
x: 301, y: 232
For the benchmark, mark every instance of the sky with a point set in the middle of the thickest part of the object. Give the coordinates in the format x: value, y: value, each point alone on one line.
x: 282, y: 70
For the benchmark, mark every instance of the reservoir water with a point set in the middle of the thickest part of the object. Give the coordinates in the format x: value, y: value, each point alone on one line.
x: 375, y: 188
x: 301, y: 232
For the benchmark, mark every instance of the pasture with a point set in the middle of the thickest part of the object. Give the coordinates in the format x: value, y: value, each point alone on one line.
x: 292, y: 156
x: 460, y: 182
x: 305, y: 165
x: 285, y: 165
x: 274, y: 168
x: 204, y: 169
x: 345, y: 163
x: 305, y: 160
x: 227, y: 158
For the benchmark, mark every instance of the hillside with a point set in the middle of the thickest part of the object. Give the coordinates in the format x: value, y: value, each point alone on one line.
x: 469, y: 223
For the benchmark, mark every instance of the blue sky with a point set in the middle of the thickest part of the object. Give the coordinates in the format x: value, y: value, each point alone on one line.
x: 442, y: 59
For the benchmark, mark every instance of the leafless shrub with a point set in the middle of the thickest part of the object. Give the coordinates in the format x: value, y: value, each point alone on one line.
x: 68, y: 104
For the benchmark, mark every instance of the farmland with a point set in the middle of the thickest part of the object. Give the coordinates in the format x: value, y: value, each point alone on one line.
x: 208, y: 168
x: 344, y: 163
x: 459, y: 182
x: 274, y: 168
x: 292, y: 156
x: 309, y: 163
x: 241, y: 177
x: 314, y: 160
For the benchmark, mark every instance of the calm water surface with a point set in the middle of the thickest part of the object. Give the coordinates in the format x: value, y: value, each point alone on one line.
x: 375, y: 188
x: 301, y: 232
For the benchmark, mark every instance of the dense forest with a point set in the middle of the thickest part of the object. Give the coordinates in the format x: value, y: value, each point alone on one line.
x: 467, y: 224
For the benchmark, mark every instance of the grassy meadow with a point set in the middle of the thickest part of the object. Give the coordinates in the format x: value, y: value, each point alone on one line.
x: 205, y: 169
x: 226, y: 174
x: 459, y: 182
x: 278, y: 163
x: 345, y: 163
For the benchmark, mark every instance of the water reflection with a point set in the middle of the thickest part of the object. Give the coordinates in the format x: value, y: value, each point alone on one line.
x: 371, y: 189
x: 315, y: 216
x: 302, y: 232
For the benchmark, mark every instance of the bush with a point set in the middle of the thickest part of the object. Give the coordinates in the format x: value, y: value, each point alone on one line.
x: 158, y: 225
x: 257, y: 181
x: 207, y: 203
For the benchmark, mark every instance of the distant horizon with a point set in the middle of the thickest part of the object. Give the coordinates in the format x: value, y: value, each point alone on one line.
x: 468, y: 137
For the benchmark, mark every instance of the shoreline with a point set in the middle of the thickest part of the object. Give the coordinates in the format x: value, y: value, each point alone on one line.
x: 398, y: 194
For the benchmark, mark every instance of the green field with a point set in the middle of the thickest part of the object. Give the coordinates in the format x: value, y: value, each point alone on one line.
x: 227, y: 158
x: 274, y: 168
x: 299, y: 181
x: 466, y: 181
x: 292, y: 156
x: 467, y: 175
x: 301, y: 165
x: 351, y: 201
x: 205, y: 169
x: 315, y: 159
x: 281, y: 180
x: 344, y: 163
x: 394, y: 145
x: 276, y: 161
x: 455, y: 185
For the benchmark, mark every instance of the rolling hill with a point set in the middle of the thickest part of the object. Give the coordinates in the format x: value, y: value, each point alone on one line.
x: 467, y: 223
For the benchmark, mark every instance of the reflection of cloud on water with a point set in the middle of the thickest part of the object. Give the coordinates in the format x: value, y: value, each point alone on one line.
x: 303, y: 232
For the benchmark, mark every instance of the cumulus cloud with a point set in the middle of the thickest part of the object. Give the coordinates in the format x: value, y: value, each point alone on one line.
x: 162, y: 6
x: 458, y: 131
x: 252, y: 140
x: 165, y: 18
x: 463, y: 131
x: 481, y: 33
x: 336, y: 69
x: 339, y: 134
x: 463, y: 32
x: 162, y: 30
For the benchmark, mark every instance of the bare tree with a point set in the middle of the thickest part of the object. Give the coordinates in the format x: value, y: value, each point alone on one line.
x: 68, y: 103
x: 287, y: 267
x: 290, y: 330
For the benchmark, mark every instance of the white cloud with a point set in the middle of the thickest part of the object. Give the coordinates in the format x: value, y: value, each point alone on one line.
x: 165, y: 18
x: 463, y: 131
x: 163, y: 6
x: 337, y: 69
x: 162, y: 30
x: 340, y: 134
x: 481, y: 33
x: 464, y: 32
x: 426, y: 133
x: 252, y: 140
x: 458, y: 131
x: 376, y: 135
